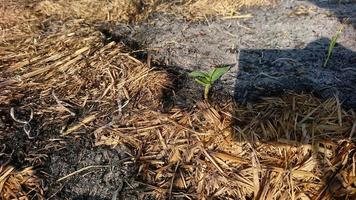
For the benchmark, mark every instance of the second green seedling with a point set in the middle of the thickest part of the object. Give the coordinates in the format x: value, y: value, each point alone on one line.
x: 332, y: 45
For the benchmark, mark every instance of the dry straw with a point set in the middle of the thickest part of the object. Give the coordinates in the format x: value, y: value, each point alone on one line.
x: 200, y: 9
x: 293, y: 147
x: 136, y: 10
x: 22, y: 184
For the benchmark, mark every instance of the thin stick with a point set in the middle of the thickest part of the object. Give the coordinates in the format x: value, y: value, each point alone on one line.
x: 86, y: 120
x: 81, y: 170
x: 238, y: 16
x: 213, y: 161
x: 172, y: 181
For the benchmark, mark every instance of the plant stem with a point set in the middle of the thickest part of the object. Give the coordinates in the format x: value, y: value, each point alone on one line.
x: 206, y: 91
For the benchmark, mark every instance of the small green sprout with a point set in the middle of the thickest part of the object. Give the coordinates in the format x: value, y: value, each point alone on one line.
x: 208, y: 79
x: 332, y: 44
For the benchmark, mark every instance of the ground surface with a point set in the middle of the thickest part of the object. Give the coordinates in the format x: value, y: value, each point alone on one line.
x: 277, y: 49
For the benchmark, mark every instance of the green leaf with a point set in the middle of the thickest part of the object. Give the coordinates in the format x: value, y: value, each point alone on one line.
x: 203, y: 80
x: 332, y: 45
x: 217, y: 73
x: 198, y: 74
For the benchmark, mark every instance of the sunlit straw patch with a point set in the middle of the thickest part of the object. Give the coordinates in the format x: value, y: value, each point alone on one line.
x: 19, y: 184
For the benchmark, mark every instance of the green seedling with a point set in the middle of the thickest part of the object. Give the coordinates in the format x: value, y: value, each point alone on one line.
x: 208, y: 79
x: 332, y: 45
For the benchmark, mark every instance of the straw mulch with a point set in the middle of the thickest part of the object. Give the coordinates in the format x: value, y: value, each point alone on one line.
x: 73, y: 74
x: 23, y: 184
x: 26, y: 18
x: 201, y: 9
x: 137, y: 10
x: 60, y: 77
x: 16, y: 21
x: 294, y: 147
x: 74, y: 81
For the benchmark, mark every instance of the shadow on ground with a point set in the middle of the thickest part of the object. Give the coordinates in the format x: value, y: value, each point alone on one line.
x: 339, y: 8
x: 271, y: 72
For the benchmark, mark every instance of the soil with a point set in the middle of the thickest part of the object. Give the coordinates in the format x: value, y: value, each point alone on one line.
x: 109, y: 177
x: 278, y: 49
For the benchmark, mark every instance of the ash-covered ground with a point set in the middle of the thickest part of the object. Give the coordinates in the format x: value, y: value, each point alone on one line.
x: 277, y: 49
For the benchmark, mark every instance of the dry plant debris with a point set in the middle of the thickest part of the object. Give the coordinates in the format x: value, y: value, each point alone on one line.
x: 69, y: 76
x: 137, y: 10
x: 23, y: 184
x: 97, y: 10
x: 200, y: 9
x: 17, y: 21
x: 12, y: 13
x: 294, y: 147
x: 76, y: 75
